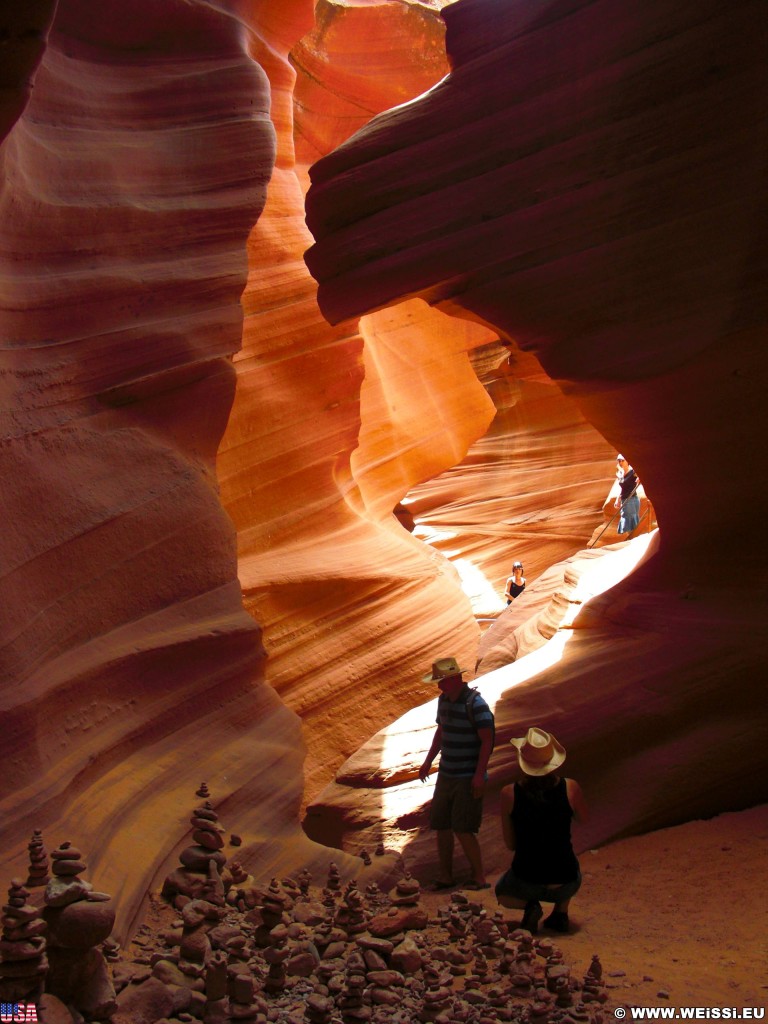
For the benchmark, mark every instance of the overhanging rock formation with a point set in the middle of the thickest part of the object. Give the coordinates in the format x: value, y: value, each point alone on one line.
x: 590, y: 180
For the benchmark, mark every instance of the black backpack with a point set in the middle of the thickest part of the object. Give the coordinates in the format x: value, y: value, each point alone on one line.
x: 470, y: 706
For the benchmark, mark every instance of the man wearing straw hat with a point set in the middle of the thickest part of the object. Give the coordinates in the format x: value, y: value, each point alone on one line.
x: 464, y: 740
x: 536, y: 815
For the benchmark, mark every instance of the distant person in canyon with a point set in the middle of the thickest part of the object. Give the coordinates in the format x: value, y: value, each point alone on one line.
x: 536, y: 816
x: 464, y: 739
x: 515, y: 583
x: 627, y: 498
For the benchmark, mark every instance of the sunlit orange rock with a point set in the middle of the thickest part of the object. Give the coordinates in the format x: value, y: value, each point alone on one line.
x: 196, y: 464
x: 331, y: 426
x: 130, y: 670
x: 587, y: 181
x: 133, y: 179
x: 359, y: 59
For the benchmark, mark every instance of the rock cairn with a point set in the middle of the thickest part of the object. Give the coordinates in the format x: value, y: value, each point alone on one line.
x: 406, y: 892
x: 198, y: 918
x: 334, y: 879
x: 23, y: 959
x: 304, y: 881
x: 319, y: 1009
x: 351, y: 1000
x: 238, y: 876
x: 201, y: 862
x: 79, y: 921
x: 351, y: 916
x: 274, y: 906
x: 39, y: 868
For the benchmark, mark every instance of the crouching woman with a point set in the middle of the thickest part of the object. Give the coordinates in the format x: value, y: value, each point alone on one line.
x: 536, y: 816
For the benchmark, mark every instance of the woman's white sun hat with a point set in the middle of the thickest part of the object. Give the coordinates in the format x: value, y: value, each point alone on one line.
x: 538, y: 752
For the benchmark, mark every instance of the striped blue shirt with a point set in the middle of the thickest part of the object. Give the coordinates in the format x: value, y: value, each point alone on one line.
x: 460, y: 744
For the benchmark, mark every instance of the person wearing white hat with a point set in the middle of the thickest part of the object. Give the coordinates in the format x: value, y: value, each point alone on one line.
x: 536, y: 816
x: 464, y: 739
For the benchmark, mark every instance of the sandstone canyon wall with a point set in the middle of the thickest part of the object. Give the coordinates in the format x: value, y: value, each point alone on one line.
x: 152, y: 229
x: 200, y: 467
x: 133, y: 173
x: 314, y: 460
x: 590, y: 180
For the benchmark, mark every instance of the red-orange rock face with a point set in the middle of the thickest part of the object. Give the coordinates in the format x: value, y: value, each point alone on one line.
x: 588, y: 180
x: 130, y: 669
x: 197, y: 462
x: 314, y: 459
x: 133, y: 179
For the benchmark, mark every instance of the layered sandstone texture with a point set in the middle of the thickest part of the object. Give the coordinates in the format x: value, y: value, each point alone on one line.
x: 154, y: 301
x: 332, y: 425
x: 589, y: 180
x: 132, y: 174
x: 201, y: 465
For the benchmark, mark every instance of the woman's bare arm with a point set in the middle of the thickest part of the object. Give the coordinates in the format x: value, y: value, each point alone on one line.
x: 577, y: 801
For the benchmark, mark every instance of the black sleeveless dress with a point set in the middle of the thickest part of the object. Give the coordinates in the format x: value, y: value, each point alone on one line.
x: 542, y: 823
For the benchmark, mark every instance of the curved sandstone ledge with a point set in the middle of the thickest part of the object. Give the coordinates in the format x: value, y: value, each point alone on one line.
x: 551, y: 608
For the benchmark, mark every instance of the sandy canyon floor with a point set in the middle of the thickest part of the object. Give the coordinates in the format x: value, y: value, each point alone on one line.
x: 679, y: 917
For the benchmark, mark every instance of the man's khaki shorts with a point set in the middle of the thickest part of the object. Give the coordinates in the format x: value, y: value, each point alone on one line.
x: 454, y: 807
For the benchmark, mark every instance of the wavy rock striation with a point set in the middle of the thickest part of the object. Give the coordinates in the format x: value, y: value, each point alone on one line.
x: 177, y: 413
x: 150, y: 182
x: 588, y: 181
x: 131, y: 179
x: 315, y: 457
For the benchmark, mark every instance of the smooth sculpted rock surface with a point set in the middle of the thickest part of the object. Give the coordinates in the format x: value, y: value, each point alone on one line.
x: 132, y: 174
x: 588, y: 181
x: 331, y: 426
x: 150, y: 182
x: 201, y: 465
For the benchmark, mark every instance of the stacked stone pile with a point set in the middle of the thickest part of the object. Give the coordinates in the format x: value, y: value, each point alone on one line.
x: 23, y: 961
x: 39, y: 868
x: 289, y: 953
x: 351, y: 915
x: 300, y: 956
x: 79, y: 921
x: 202, y: 863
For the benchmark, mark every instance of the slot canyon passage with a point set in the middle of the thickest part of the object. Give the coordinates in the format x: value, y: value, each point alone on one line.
x: 312, y: 318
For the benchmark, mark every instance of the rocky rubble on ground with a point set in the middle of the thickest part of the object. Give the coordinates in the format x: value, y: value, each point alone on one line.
x: 221, y: 948
x: 293, y: 953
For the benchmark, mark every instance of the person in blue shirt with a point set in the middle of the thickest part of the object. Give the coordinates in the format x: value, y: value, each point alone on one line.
x: 464, y: 740
x: 627, y: 499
